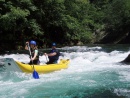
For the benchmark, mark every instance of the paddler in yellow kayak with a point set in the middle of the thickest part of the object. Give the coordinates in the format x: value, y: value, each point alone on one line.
x: 34, y: 58
x: 53, y: 55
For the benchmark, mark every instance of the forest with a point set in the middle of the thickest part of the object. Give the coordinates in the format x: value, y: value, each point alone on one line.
x: 66, y: 22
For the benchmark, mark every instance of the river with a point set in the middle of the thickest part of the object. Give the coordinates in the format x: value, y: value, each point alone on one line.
x: 94, y: 72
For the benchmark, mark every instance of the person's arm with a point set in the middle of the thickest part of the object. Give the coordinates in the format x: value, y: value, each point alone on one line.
x: 50, y: 54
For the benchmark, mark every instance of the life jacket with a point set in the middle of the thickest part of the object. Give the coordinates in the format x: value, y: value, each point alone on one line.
x: 56, y: 57
x: 33, y: 52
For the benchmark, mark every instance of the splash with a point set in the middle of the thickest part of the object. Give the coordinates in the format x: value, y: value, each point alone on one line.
x: 93, y: 72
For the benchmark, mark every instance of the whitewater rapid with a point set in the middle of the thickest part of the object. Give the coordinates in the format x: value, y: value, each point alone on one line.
x: 92, y: 71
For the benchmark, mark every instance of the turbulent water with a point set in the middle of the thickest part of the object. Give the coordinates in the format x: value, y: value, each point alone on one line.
x: 93, y: 72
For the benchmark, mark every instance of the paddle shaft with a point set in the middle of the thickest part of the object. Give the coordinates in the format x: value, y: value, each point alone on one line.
x: 35, y: 74
x: 46, y: 58
x: 30, y: 54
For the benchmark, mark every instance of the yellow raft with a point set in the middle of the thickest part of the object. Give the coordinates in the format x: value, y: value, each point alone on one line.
x: 63, y: 64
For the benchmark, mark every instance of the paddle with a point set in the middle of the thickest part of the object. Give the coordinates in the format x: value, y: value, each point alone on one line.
x: 35, y: 74
x: 46, y: 58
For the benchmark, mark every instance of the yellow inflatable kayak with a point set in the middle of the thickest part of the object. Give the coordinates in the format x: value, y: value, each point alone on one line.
x: 16, y: 66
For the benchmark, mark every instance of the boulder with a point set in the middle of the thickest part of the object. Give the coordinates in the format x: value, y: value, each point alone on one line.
x: 126, y: 60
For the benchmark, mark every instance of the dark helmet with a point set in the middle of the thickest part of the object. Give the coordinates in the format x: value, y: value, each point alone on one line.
x: 53, y: 44
x: 33, y: 42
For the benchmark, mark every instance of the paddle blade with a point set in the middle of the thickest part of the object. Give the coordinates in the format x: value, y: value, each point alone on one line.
x: 35, y: 75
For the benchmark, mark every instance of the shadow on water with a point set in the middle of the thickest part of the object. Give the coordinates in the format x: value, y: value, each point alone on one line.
x: 100, y: 93
x: 111, y: 47
x: 104, y: 94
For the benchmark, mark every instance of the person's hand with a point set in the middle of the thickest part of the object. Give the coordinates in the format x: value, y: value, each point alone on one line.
x: 45, y: 54
x: 32, y: 59
x: 27, y: 43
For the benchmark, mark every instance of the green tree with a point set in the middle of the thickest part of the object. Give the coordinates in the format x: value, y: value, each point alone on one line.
x: 16, y: 18
x: 117, y: 15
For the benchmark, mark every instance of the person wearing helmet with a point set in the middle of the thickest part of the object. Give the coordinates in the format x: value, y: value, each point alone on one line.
x: 34, y: 58
x: 53, y: 55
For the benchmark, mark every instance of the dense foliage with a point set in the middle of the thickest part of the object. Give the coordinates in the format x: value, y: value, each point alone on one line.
x: 66, y: 22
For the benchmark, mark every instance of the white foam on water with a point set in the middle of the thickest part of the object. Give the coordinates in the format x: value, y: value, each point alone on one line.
x: 88, y: 68
x: 122, y: 92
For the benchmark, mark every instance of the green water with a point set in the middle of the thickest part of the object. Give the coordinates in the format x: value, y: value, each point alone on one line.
x: 93, y: 73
